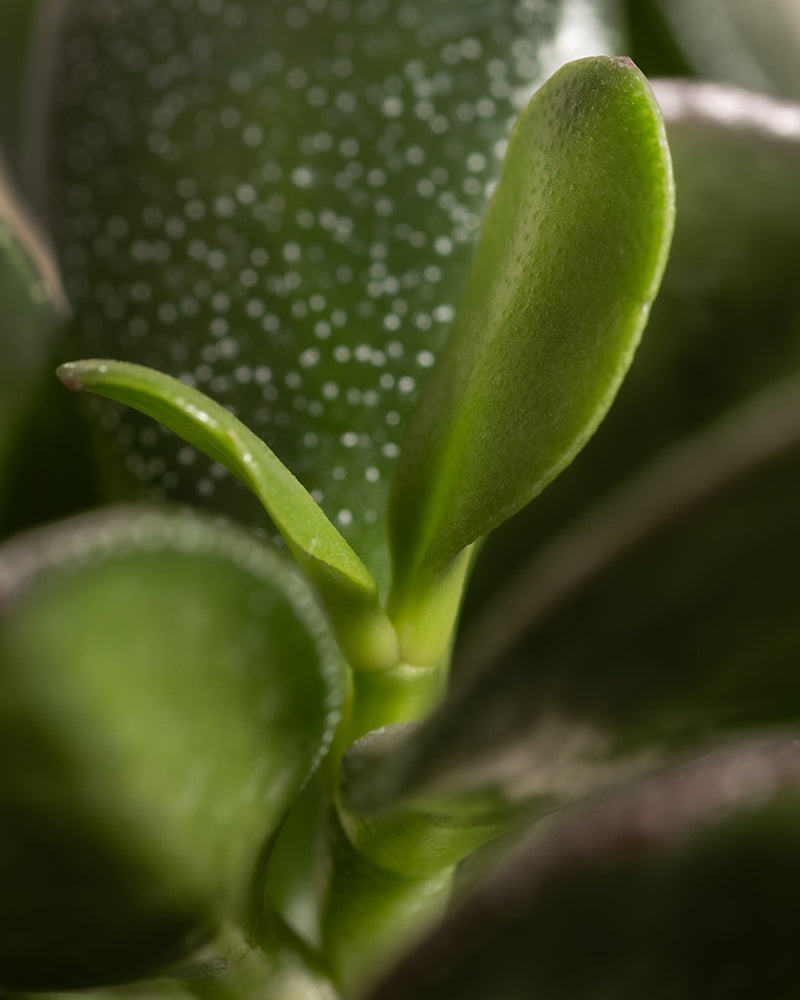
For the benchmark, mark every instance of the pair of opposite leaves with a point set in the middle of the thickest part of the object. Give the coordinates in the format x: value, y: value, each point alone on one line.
x: 569, y: 260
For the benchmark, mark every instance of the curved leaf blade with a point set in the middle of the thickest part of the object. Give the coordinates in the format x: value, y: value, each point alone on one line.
x: 167, y: 687
x: 570, y: 258
x: 344, y: 583
x: 726, y: 322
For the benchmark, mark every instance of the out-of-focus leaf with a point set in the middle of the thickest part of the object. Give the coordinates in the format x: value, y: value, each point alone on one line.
x: 279, y: 202
x: 16, y: 21
x: 726, y: 321
x: 684, y: 887
x: 738, y: 42
x: 569, y: 261
x: 664, y: 619
x: 167, y: 686
x: 650, y: 42
x: 343, y: 582
x: 32, y: 304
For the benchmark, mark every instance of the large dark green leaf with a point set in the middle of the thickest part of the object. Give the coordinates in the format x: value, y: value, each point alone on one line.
x: 685, y: 887
x: 166, y: 687
x: 278, y: 202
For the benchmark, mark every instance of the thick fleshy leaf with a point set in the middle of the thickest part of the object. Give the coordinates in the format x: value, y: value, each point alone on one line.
x: 726, y: 322
x: 32, y: 305
x: 343, y: 582
x: 684, y: 887
x: 279, y: 201
x: 167, y: 686
x: 570, y: 257
x: 664, y: 619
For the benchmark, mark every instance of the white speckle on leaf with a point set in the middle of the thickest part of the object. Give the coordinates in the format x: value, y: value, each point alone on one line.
x: 242, y: 188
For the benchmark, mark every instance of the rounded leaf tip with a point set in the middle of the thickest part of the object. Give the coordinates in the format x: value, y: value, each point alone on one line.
x: 70, y: 378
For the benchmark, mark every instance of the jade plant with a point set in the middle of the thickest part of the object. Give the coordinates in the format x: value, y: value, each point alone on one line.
x: 378, y: 617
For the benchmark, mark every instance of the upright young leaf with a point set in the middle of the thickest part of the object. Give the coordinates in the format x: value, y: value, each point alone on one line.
x: 344, y: 584
x: 569, y: 260
x: 726, y: 322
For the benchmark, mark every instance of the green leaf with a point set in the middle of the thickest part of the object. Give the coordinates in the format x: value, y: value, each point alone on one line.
x: 663, y: 620
x: 413, y: 838
x: 283, y: 210
x: 569, y: 261
x: 371, y: 914
x: 16, y: 21
x: 733, y: 41
x: 684, y: 887
x: 32, y: 307
x: 726, y: 322
x: 166, y: 687
x: 345, y: 586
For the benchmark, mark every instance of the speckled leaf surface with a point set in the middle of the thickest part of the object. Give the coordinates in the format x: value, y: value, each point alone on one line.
x: 683, y: 887
x: 167, y: 686
x: 726, y: 322
x: 278, y: 201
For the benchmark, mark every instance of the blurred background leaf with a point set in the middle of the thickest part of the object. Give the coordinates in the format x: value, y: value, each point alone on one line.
x: 682, y: 887
x: 18, y: 19
x: 167, y: 687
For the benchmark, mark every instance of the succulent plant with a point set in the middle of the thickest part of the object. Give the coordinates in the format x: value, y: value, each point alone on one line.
x: 379, y: 617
